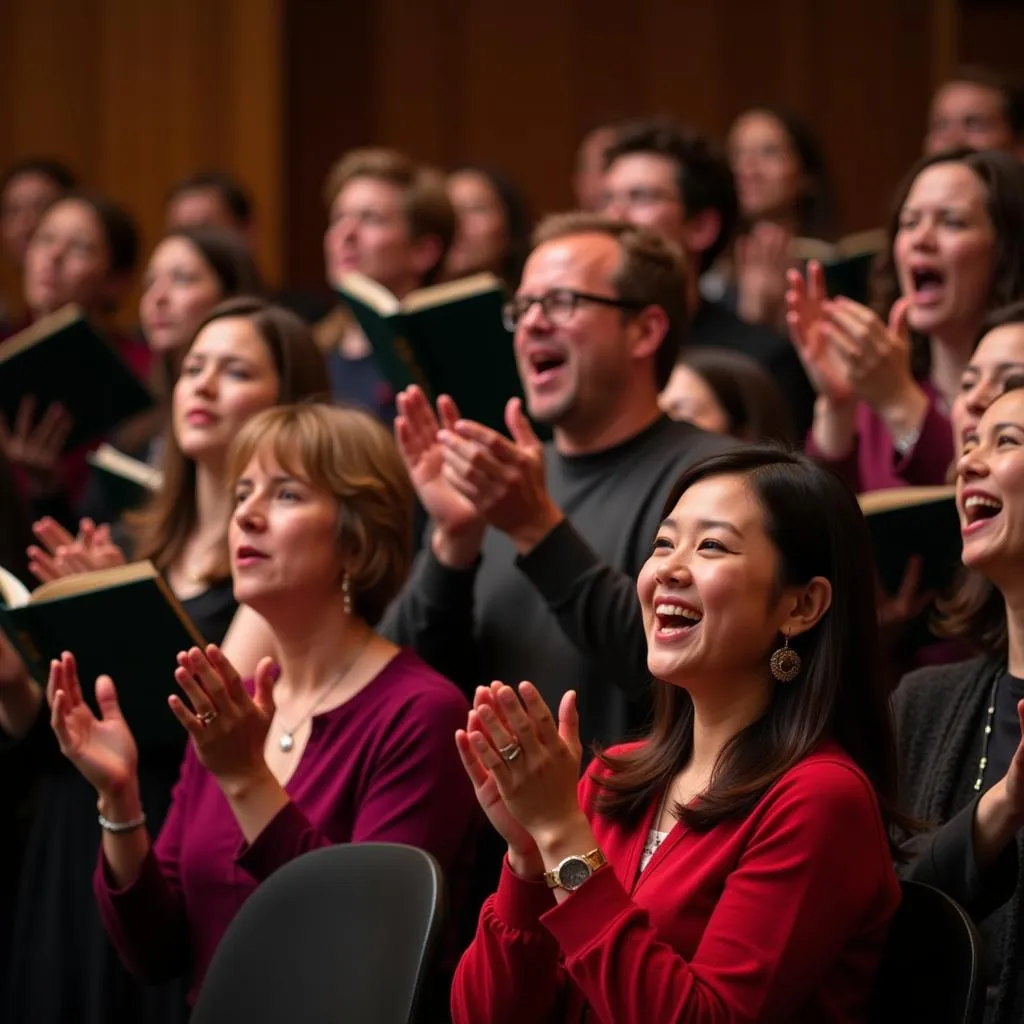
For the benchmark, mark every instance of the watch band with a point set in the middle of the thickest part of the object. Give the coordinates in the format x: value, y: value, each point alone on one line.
x: 589, y: 862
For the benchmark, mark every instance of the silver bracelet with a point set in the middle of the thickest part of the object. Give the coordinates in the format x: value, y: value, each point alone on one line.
x: 121, y: 826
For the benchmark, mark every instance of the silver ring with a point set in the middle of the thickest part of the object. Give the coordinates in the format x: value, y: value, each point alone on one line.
x: 509, y: 753
x: 207, y: 717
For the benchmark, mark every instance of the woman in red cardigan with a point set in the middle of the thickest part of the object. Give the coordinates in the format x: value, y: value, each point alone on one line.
x: 734, y: 865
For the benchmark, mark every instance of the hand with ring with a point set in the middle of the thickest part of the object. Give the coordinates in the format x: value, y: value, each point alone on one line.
x: 228, y: 726
x: 102, y: 749
x: 533, y: 760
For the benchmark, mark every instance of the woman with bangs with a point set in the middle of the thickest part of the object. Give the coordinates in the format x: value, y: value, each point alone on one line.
x: 344, y: 738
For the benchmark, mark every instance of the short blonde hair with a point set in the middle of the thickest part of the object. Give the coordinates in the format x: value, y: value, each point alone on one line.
x: 351, y: 456
x: 428, y: 210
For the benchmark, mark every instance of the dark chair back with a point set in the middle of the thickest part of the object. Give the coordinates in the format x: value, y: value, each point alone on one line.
x: 932, y: 963
x: 342, y: 934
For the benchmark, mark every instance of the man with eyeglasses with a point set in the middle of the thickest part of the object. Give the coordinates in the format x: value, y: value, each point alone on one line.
x: 978, y: 108
x: 531, y: 568
x: 667, y: 178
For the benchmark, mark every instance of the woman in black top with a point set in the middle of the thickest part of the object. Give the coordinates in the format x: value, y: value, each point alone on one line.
x: 960, y: 725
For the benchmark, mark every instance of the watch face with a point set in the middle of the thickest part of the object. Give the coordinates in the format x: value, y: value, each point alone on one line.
x: 573, y: 873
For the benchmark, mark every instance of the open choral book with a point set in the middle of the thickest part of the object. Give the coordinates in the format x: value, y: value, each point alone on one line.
x: 449, y: 339
x: 907, y: 521
x: 126, y: 483
x: 63, y: 358
x: 847, y: 263
x: 123, y: 622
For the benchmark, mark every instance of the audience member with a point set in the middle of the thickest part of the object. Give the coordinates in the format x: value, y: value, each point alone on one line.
x: 960, y: 725
x: 998, y: 358
x: 493, y: 225
x: 784, y: 193
x: 976, y: 108
x: 84, y: 251
x: 591, y: 160
x: 211, y: 199
x: 733, y: 864
x: 597, y: 324
x: 884, y: 390
x: 391, y: 220
x: 246, y: 357
x: 27, y: 188
x: 667, y: 178
x: 357, y: 730
x: 727, y: 393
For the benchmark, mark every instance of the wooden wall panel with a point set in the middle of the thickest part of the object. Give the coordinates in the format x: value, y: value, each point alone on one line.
x: 516, y: 84
x: 135, y: 95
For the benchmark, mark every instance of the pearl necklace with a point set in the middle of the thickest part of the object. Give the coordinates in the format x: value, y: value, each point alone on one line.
x: 990, y: 713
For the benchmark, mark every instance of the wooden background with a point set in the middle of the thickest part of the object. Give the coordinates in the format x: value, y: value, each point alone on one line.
x: 135, y: 94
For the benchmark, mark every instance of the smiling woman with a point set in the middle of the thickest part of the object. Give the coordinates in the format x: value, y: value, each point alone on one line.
x: 960, y: 726
x: 733, y: 864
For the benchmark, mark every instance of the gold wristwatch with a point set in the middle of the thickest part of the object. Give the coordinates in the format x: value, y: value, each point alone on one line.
x: 572, y: 872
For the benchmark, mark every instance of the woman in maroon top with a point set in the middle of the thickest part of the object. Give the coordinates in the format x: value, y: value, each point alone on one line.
x: 884, y: 390
x: 345, y: 738
x: 83, y: 251
x: 734, y: 865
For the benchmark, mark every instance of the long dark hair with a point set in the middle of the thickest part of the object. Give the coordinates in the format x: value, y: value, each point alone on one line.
x: 161, y: 530
x: 1002, y: 176
x: 817, y: 528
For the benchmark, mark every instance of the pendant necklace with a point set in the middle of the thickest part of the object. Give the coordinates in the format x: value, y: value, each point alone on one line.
x: 286, y: 741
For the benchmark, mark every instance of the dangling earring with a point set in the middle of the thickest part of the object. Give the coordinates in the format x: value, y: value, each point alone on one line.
x: 785, y: 663
x: 346, y: 593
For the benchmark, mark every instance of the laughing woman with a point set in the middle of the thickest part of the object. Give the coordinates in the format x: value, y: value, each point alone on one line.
x: 956, y: 253
x: 960, y: 725
x: 347, y: 739
x: 734, y: 865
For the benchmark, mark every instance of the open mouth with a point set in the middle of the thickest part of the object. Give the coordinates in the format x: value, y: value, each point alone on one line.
x: 928, y: 282
x: 978, y: 508
x: 546, y: 365
x: 675, y: 620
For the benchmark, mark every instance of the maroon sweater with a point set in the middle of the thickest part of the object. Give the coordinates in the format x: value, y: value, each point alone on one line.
x: 382, y: 767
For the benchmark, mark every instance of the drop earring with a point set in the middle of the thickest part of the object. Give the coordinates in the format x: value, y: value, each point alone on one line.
x: 785, y: 663
x: 346, y: 593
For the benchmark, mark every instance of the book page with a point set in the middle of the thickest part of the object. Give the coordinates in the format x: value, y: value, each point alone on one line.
x: 99, y: 579
x: 42, y: 328
x: 450, y: 291
x: 108, y: 458
x: 367, y: 291
x: 14, y: 593
x: 903, y: 497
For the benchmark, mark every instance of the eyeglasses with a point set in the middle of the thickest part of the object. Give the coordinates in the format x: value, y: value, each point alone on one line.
x: 637, y: 198
x: 558, y: 305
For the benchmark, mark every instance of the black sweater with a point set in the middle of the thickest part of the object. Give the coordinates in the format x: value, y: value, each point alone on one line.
x: 566, y: 615
x: 940, y: 717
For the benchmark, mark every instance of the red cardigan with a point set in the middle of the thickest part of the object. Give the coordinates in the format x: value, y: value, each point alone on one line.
x: 779, y: 916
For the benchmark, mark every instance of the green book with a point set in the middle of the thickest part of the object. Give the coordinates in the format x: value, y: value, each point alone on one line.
x: 847, y: 263
x: 126, y: 483
x: 123, y: 622
x: 449, y: 339
x: 907, y: 521
x: 63, y: 358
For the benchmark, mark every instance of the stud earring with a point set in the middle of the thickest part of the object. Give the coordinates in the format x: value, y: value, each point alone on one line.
x: 785, y: 663
x: 346, y: 593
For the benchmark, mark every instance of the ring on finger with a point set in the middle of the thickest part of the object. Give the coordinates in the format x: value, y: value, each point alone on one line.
x: 510, y: 752
x: 207, y: 717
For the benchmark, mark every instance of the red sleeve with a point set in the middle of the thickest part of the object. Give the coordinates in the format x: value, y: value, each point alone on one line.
x: 147, y: 921
x: 778, y: 927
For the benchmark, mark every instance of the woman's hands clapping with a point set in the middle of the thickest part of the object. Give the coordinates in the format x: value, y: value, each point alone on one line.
x: 228, y: 727
x: 62, y: 554
x: 524, y: 767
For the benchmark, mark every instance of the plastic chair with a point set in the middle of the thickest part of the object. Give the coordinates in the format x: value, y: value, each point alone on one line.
x: 931, y: 966
x: 342, y: 934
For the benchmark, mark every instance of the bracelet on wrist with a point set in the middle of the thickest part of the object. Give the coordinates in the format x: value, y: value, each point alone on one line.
x: 117, y: 827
